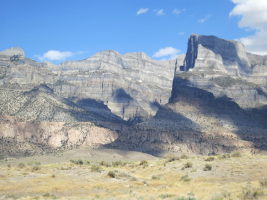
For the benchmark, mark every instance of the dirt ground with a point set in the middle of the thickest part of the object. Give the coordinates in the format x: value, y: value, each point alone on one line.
x: 112, y: 174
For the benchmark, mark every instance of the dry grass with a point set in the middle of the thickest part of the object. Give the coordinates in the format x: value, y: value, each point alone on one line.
x: 231, y: 177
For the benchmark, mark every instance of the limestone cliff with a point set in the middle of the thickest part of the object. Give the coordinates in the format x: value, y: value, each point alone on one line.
x: 216, y: 101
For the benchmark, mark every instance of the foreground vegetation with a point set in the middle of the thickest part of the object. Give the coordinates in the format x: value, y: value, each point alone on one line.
x: 223, y: 177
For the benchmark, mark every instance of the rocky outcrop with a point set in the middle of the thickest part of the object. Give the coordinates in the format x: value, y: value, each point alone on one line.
x: 28, y: 137
x: 224, y: 68
x: 209, y: 52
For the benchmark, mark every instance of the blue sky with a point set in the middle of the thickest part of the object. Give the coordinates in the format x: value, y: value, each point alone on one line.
x: 58, y: 30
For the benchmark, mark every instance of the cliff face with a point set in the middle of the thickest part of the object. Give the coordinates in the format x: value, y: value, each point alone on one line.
x: 215, y: 102
x: 224, y: 68
x: 46, y: 107
x: 119, y: 81
x: 209, y: 52
x: 218, y: 103
x: 114, y: 79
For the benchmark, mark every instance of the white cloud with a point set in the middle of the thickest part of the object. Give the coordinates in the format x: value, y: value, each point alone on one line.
x: 160, y: 12
x: 253, y: 15
x: 55, y: 55
x: 177, y: 11
x: 142, y: 11
x: 204, y: 19
x: 167, y: 53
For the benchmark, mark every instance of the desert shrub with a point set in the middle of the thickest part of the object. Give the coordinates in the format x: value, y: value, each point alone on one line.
x: 143, y: 163
x: 118, y: 163
x: 50, y: 196
x: 77, y: 162
x: 33, y: 163
x: 188, y: 165
x: 21, y: 165
x: 172, y: 159
x: 36, y: 168
x: 166, y: 196
x: 250, y: 193
x: 103, y: 163
x: 236, y: 154
x: 209, y: 159
x: 96, y: 168
x: 185, y: 198
x: 37, y: 163
x: 263, y: 182
x: 207, y: 167
x: 111, y: 174
x: 46, y: 195
x: 190, y: 196
x: 185, y: 178
x: 155, y: 177
x: 65, y: 168
x: 224, y: 156
x: 184, y: 156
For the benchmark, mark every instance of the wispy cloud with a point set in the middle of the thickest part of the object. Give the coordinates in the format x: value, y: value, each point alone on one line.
x: 160, y: 12
x: 142, y: 11
x: 167, y: 53
x: 254, y: 17
x: 204, y: 19
x: 181, y: 33
x: 178, y: 11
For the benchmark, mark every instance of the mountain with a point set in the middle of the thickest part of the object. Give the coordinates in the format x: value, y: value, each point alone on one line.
x: 218, y: 103
x: 116, y: 80
x: 211, y: 100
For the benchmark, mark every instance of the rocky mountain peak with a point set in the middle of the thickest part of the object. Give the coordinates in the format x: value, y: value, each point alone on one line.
x: 106, y: 54
x: 138, y: 55
x: 14, y: 51
x: 210, y: 52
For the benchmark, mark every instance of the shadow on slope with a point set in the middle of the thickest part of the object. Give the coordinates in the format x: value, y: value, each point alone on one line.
x: 251, y: 124
x: 170, y: 130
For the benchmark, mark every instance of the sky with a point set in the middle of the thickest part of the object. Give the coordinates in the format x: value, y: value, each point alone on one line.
x: 60, y: 30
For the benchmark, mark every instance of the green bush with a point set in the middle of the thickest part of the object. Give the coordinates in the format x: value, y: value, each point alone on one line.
x: 96, y: 168
x: 224, y: 156
x: 236, y: 154
x: 36, y: 168
x: 118, y: 163
x: 250, y: 193
x: 105, y: 164
x: 188, y: 165
x: 190, y: 196
x: 144, y: 163
x: 21, y: 165
x: 155, y: 177
x: 184, y: 156
x: 207, y: 167
x: 185, y: 198
x: 185, y: 178
x: 77, y: 162
x: 263, y: 182
x: 172, y: 159
x: 166, y: 196
x: 111, y: 174
x: 209, y: 159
